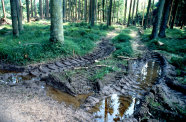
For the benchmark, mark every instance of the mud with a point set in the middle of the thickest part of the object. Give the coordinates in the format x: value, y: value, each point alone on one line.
x: 141, y: 94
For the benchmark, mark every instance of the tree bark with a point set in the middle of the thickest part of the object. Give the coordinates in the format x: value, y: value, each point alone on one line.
x: 31, y: 8
x: 170, y: 13
x: 41, y: 9
x: 56, y: 28
x: 103, y: 9
x: 47, y: 8
x: 143, y: 14
x: 14, y: 18
x: 125, y: 12
x: 136, y: 13
x: 35, y: 8
x: 157, y: 19
x: 3, y: 6
x: 174, y: 13
x: 92, y: 12
x: 27, y: 10
x: 134, y: 3
x: 165, y: 18
x: 129, y: 13
x: 147, y: 15
x: 109, y: 14
x: 85, y: 11
x: 19, y: 15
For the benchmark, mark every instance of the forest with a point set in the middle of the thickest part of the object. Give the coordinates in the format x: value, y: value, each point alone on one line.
x: 92, y: 60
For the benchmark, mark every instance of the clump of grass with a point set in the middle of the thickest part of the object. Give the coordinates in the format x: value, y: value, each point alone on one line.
x: 33, y: 44
x: 100, y: 73
x: 123, y: 44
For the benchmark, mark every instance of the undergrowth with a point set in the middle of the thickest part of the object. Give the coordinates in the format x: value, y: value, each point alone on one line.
x: 33, y: 44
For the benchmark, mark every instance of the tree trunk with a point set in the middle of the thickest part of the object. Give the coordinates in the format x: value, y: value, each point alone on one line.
x: 170, y: 13
x: 31, y: 8
x: 165, y: 18
x: 134, y: 3
x: 157, y: 19
x: 136, y: 13
x: 103, y: 9
x: 174, y: 13
x: 35, y: 8
x: 41, y: 9
x: 147, y: 15
x: 109, y: 14
x: 47, y: 8
x: 143, y: 14
x: 56, y: 28
x: 3, y: 6
x: 85, y: 11
x: 125, y: 12
x: 21, y: 9
x: 129, y: 13
x: 27, y: 10
x: 92, y: 12
x: 19, y: 15
x: 14, y: 18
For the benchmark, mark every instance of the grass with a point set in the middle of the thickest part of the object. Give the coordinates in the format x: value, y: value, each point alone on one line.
x: 174, y: 46
x: 123, y: 44
x: 33, y: 44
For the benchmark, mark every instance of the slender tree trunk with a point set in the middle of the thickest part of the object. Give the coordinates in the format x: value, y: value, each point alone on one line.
x: 165, y: 18
x: 35, y: 9
x: 103, y: 9
x: 14, y: 18
x: 157, y: 19
x: 85, y: 11
x: 129, y: 13
x: 95, y: 10
x: 174, y: 13
x: 56, y: 28
x: 92, y: 12
x: 41, y: 8
x: 19, y: 15
x: 109, y: 14
x: 79, y: 9
x: 143, y: 14
x: 31, y: 8
x: 3, y: 6
x: 134, y: 3
x: 125, y: 12
x: 147, y: 15
x: 64, y: 11
x: 47, y: 8
x: 27, y: 10
x: 170, y: 13
x: 136, y: 13
x: 21, y: 9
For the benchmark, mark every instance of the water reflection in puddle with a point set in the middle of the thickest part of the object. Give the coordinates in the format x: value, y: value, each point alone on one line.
x: 114, y: 108
x: 149, y: 74
x: 64, y: 97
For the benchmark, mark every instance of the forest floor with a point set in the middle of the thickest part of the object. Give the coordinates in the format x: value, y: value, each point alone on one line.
x: 120, y: 80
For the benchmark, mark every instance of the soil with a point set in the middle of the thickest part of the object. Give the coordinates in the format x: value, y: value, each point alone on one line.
x: 46, y: 92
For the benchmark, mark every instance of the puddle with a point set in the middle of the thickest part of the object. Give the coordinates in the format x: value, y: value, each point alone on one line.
x: 149, y: 74
x: 12, y: 77
x: 64, y: 97
x: 114, y: 108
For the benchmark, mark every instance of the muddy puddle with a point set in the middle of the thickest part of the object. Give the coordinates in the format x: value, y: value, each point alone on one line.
x: 114, y: 108
x: 149, y: 74
x: 75, y: 101
x: 12, y: 77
